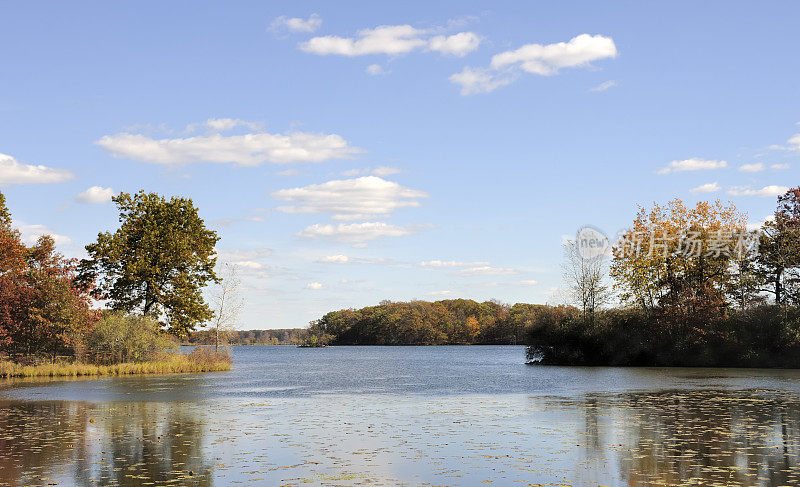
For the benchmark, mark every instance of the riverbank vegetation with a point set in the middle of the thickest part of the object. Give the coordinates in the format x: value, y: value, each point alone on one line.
x: 284, y: 336
x: 446, y: 322
x: 149, y: 274
x: 695, y: 287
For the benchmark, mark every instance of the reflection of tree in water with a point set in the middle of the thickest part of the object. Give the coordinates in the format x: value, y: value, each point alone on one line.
x: 679, y: 437
x: 126, y: 444
x: 35, y: 436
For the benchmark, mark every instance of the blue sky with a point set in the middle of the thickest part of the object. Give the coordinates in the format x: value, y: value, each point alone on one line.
x: 354, y: 152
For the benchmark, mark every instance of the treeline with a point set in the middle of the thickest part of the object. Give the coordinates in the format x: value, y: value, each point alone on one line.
x: 446, y: 322
x: 695, y: 287
x: 288, y: 336
x: 149, y: 274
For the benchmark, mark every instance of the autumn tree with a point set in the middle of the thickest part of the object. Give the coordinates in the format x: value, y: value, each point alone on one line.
x: 778, y: 259
x: 677, y: 260
x: 156, y: 263
x: 42, y: 312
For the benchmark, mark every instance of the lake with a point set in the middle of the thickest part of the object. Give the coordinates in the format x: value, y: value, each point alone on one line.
x: 405, y: 416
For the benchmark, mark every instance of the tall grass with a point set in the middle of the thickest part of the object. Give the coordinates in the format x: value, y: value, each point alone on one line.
x: 200, y: 360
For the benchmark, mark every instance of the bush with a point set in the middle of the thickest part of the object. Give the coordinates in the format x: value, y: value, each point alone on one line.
x: 120, y: 337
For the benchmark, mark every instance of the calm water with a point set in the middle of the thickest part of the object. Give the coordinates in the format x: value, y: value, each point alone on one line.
x: 405, y: 416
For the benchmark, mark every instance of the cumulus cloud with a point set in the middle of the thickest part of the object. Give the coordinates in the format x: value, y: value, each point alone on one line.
x: 458, y: 45
x: 480, y: 80
x: 250, y: 149
x: 334, y: 259
x: 451, y: 263
x: 314, y: 286
x: 706, y: 188
x: 296, y: 24
x: 441, y: 293
x: 378, y: 171
x: 96, y: 195
x: 756, y: 167
x: 31, y: 233
x: 14, y: 172
x: 355, y: 233
x: 486, y: 270
x: 392, y: 40
x: 218, y: 125
x: 538, y: 59
x: 350, y: 199
x: 693, y: 164
x: 765, y: 192
x: 793, y: 144
x: 779, y: 167
x: 604, y: 86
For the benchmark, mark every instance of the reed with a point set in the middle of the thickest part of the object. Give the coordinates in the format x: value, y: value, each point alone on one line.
x: 195, y: 362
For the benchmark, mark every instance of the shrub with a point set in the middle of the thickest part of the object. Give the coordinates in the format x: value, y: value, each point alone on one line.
x: 119, y: 337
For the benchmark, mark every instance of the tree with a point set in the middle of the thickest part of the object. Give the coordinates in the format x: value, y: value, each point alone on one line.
x: 227, y: 305
x: 5, y: 215
x: 779, y: 249
x: 585, y: 276
x: 677, y: 260
x: 156, y: 263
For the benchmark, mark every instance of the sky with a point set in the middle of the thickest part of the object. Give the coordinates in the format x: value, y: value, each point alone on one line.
x: 353, y: 152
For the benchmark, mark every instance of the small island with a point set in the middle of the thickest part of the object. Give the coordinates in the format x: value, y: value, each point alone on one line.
x: 683, y: 286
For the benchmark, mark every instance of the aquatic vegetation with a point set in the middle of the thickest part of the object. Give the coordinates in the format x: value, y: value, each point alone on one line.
x: 199, y: 361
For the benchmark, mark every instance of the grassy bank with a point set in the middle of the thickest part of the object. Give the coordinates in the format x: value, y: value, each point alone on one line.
x: 170, y: 364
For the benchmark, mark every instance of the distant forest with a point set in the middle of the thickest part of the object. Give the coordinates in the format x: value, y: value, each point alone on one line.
x: 452, y: 321
x: 288, y: 336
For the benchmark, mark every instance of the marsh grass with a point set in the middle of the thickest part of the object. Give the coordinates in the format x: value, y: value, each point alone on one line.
x: 200, y: 360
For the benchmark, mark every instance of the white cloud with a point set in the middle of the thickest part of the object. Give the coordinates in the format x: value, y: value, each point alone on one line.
x: 543, y: 60
x: 378, y: 171
x: 765, y: 192
x: 31, y: 233
x: 458, y: 45
x: 529, y: 282
x: 296, y: 24
x: 441, y: 293
x: 604, y: 86
x: 14, y: 172
x: 375, y: 69
x: 335, y: 259
x: 706, y: 188
x: 779, y: 167
x: 350, y: 199
x: 96, y: 195
x: 693, y: 164
x: 288, y: 172
x: 250, y: 149
x: 486, y: 270
x: 794, y: 142
x: 451, y: 263
x: 249, y: 264
x: 756, y: 167
x: 480, y: 80
x: 391, y: 40
x: 314, y: 286
x: 217, y: 125
x: 355, y: 233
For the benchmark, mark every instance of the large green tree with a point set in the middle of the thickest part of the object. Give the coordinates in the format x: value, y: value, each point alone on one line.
x: 156, y: 263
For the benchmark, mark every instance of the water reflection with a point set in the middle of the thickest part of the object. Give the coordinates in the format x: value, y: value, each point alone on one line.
x: 679, y: 437
x: 125, y: 444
